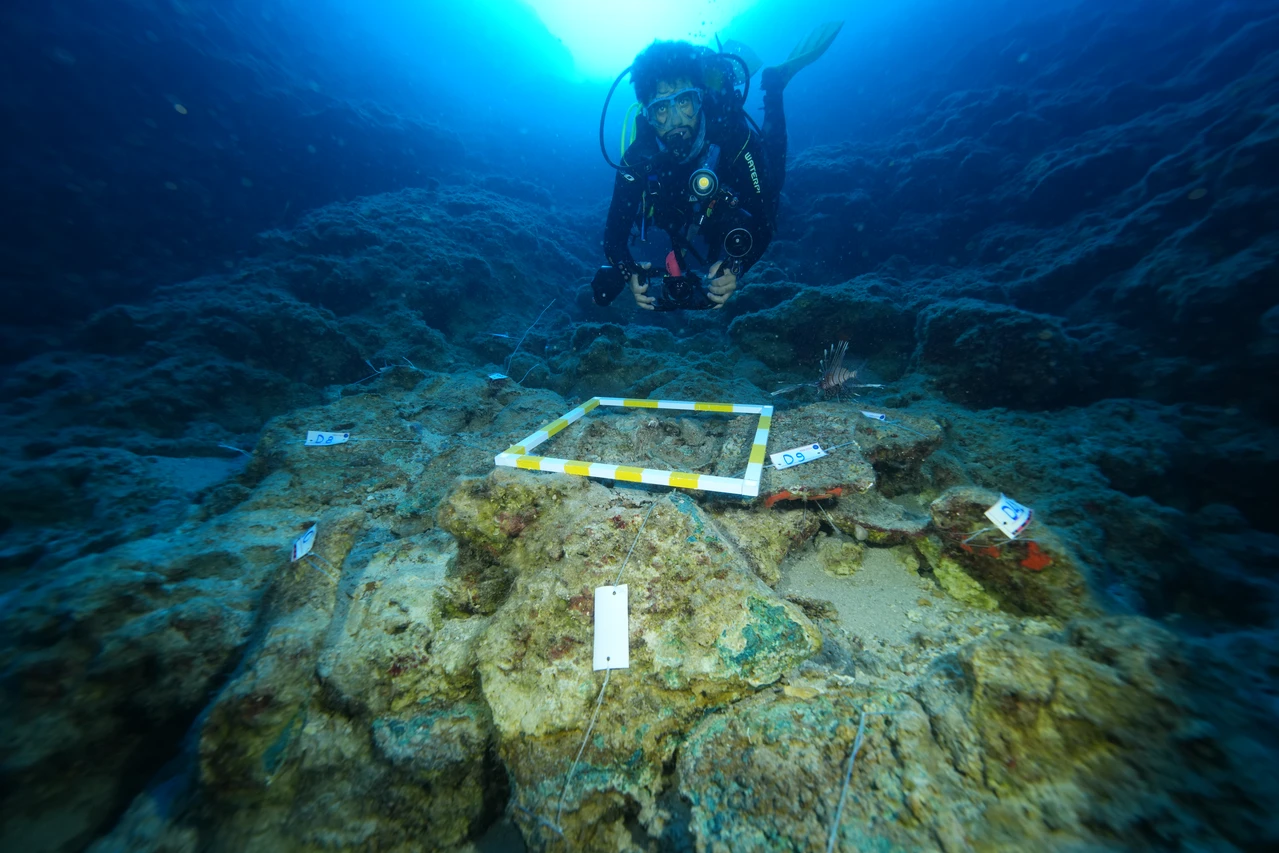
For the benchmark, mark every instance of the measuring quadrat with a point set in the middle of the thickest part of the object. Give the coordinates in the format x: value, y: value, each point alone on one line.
x: 518, y: 455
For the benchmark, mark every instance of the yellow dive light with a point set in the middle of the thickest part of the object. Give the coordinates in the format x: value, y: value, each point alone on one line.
x: 704, y: 182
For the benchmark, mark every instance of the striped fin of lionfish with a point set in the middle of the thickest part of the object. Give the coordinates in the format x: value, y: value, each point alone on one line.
x: 834, y: 376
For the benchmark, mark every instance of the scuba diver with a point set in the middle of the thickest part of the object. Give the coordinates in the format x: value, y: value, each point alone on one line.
x: 698, y: 168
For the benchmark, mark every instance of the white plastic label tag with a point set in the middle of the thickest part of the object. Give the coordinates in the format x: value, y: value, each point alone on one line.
x: 797, y: 456
x: 1009, y: 516
x: 612, y: 628
x: 320, y: 439
x: 875, y: 416
x: 303, y: 545
x: 497, y: 377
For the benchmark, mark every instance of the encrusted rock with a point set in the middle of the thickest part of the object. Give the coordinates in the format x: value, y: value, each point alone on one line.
x: 1086, y: 732
x: 897, y: 448
x: 704, y: 631
x: 113, y: 655
x: 792, y: 333
x: 397, y: 700
x: 984, y: 354
x: 840, y: 556
x: 1036, y: 574
x: 843, y: 471
x: 765, y: 538
x: 870, y: 517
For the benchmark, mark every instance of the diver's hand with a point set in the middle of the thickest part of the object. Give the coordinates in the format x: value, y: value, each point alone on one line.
x: 638, y: 290
x: 721, y: 288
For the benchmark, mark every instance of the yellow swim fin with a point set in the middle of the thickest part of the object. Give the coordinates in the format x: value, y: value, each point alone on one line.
x: 809, y: 50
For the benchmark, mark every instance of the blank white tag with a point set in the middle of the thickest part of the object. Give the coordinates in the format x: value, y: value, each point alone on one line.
x: 320, y: 439
x: 497, y: 377
x: 612, y: 628
x: 1009, y: 516
x: 303, y: 545
x: 876, y: 416
x: 797, y: 456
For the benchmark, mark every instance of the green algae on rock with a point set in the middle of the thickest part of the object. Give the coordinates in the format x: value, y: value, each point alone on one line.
x: 958, y: 584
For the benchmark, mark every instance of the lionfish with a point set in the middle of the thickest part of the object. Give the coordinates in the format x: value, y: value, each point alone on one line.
x: 833, y: 377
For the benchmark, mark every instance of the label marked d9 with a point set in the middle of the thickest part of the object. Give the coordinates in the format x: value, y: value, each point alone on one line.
x: 797, y: 456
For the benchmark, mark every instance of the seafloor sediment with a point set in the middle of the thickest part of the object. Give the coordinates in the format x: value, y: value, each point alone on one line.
x: 1061, y: 276
x: 429, y: 670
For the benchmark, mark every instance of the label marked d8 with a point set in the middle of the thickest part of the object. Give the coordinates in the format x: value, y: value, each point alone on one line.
x: 797, y: 456
x: 315, y: 438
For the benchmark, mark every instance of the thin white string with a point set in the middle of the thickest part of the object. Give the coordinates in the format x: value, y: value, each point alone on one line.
x: 351, y: 440
x: 559, y: 811
x: 636, y: 542
x: 313, y: 565
x: 569, y: 778
x: 828, y: 518
x: 857, y: 745
x: 828, y: 450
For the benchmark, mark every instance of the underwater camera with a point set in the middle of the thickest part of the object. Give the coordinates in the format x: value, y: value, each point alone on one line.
x: 674, y: 293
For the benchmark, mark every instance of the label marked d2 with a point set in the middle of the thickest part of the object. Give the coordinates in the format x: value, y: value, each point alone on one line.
x: 1009, y: 516
x: 612, y: 627
x: 315, y: 438
x: 303, y: 544
x: 797, y: 456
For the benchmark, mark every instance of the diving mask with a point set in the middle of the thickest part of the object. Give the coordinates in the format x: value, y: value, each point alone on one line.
x: 685, y: 102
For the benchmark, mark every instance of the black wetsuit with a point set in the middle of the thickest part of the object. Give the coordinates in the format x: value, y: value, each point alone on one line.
x: 752, y: 166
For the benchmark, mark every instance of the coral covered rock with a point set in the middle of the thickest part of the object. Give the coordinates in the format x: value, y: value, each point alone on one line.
x: 982, y: 354
x: 792, y: 333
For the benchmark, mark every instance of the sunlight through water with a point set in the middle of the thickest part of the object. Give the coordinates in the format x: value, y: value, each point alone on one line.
x: 604, y: 37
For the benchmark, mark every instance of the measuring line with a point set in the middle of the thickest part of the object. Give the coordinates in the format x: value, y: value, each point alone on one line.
x: 857, y: 745
x: 600, y: 701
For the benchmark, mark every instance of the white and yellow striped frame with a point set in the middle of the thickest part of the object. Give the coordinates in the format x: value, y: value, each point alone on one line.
x: 517, y: 455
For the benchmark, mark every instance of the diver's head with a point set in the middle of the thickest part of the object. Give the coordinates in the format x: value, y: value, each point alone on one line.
x: 669, y: 82
x: 675, y: 112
